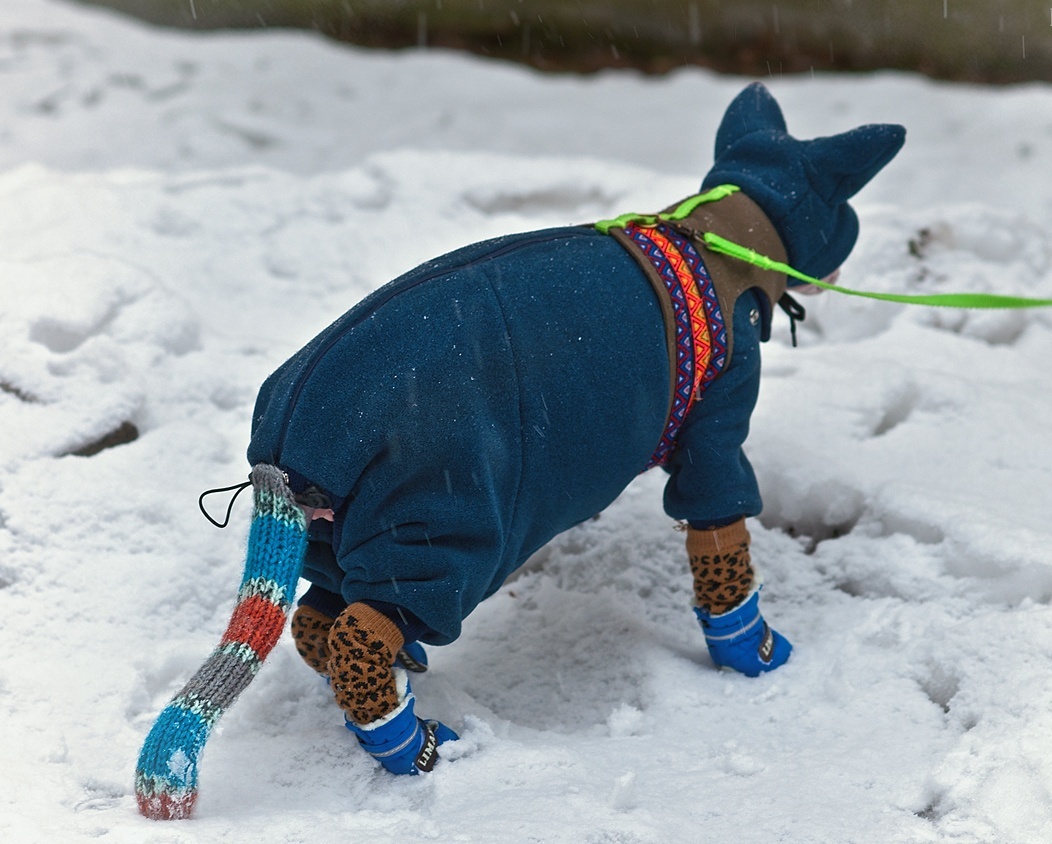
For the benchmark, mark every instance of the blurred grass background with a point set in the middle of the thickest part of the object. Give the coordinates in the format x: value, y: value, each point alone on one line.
x: 989, y: 41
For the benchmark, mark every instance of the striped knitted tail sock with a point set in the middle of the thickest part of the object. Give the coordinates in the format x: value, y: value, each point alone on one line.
x: 166, y: 776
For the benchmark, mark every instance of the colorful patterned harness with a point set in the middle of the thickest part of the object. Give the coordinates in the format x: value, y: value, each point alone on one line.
x: 701, y: 333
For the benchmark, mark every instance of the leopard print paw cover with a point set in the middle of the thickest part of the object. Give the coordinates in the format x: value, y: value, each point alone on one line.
x: 310, y: 633
x: 363, y: 645
x: 722, y: 566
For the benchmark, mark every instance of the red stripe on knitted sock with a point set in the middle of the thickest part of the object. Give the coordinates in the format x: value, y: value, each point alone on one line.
x: 257, y: 623
x: 166, y: 807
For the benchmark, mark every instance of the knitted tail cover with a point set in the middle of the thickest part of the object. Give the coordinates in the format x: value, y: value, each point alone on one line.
x: 166, y: 776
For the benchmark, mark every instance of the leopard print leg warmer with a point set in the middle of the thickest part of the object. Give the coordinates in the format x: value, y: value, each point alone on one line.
x: 363, y: 645
x: 722, y: 567
x: 310, y: 632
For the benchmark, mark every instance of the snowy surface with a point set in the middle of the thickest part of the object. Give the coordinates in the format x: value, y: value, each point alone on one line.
x: 178, y: 213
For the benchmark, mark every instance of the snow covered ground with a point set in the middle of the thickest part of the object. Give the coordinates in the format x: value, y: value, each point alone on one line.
x: 178, y: 213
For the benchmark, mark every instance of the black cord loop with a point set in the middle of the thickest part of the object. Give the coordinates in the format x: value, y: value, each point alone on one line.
x: 794, y: 310
x: 230, y: 506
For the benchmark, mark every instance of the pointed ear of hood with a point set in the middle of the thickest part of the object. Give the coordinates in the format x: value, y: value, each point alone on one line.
x: 843, y: 164
x: 802, y: 186
x: 753, y: 110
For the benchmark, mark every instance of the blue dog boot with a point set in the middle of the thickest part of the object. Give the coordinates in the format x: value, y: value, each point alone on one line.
x: 412, y: 657
x: 742, y: 640
x: 401, y: 742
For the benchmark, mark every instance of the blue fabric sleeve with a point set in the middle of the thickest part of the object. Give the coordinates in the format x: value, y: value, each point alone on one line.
x: 712, y: 481
x: 323, y: 600
x: 712, y: 524
x: 332, y: 604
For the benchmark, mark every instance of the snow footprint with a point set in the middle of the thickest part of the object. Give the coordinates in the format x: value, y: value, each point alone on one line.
x: 75, y: 343
x: 100, y: 796
x: 109, y: 299
x: 11, y: 388
x: 560, y: 199
x: 976, y: 249
x: 899, y: 406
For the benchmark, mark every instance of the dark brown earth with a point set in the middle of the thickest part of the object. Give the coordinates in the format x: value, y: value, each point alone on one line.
x: 986, y: 41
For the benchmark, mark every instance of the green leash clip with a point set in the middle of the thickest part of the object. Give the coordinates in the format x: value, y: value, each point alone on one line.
x: 986, y: 301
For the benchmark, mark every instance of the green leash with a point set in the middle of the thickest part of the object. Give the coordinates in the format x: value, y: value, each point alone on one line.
x: 943, y: 300
x: 749, y: 256
x: 678, y: 213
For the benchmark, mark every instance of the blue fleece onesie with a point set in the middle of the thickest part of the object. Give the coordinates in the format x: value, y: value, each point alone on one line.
x: 467, y: 412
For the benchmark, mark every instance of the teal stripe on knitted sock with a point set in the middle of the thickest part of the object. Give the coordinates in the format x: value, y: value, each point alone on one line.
x: 208, y: 710
x: 264, y: 587
x: 274, y: 503
x: 272, y: 542
x: 168, y: 761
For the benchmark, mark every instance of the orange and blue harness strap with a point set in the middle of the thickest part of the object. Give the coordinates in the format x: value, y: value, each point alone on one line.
x: 700, y: 329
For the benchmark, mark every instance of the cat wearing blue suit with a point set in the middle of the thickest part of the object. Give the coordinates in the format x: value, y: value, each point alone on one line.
x: 458, y: 418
